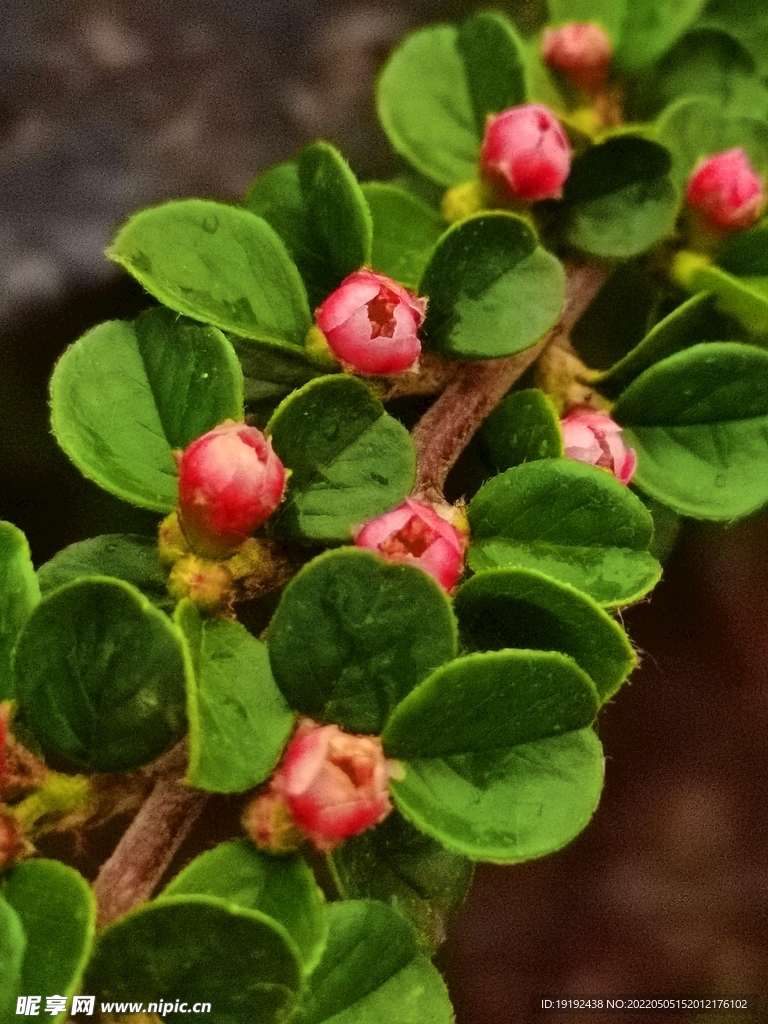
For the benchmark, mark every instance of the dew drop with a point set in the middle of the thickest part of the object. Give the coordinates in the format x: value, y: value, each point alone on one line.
x: 720, y: 480
x: 211, y: 224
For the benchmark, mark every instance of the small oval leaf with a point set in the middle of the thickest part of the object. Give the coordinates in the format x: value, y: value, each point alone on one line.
x: 100, y: 676
x: 19, y: 595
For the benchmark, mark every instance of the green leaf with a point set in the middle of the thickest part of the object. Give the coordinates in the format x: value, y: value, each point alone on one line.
x: 489, y: 702
x: 100, y: 675
x: 353, y: 634
x: 499, y: 765
x: 523, y: 608
x: 124, y: 556
x: 689, y: 324
x: 271, y: 372
x: 707, y: 62
x: 493, y: 290
x: 399, y: 865
x: 238, y: 720
x: 745, y: 298
x: 574, y: 522
x: 506, y: 805
x: 126, y: 394
x: 608, y: 13
x: 13, y: 942
x: 439, y: 84
x: 218, y: 264
x: 349, y: 460
x: 373, y: 972
x: 620, y: 198
x: 525, y: 427
x: 283, y: 888
x: 747, y: 22
x: 694, y: 128
x: 650, y: 28
x: 745, y: 254
x: 57, y: 911
x: 494, y: 64
x: 405, y: 231
x: 19, y: 594
x: 198, y: 949
x: 699, y: 422
x: 316, y: 206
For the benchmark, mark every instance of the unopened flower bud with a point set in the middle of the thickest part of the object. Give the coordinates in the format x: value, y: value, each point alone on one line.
x: 594, y: 438
x: 726, y: 191
x: 581, y: 51
x: 525, y: 153
x: 371, y: 324
x: 330, y: 785
x: 415, y: 534
x: 230, y: 482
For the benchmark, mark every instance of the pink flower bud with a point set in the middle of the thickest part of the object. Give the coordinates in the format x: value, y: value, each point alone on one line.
x: 525, y: 152
x: 415, y: 534
x: 330, y: 785
x: 581, y: 51
x: 370, y: 323
x: 230, y: 482
x: 594, y: 438
x: 727, y: 191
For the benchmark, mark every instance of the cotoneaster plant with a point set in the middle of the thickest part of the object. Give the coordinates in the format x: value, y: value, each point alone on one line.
x: 387, y: 666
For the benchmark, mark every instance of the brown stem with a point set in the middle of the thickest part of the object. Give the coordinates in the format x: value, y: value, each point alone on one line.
x: 130, y: 875
x: 444, y: 431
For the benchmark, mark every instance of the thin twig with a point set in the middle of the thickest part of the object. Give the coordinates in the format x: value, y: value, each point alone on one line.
x: 444, y: 431
x: 131, y: 874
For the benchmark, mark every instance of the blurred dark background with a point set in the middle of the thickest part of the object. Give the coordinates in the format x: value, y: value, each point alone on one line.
x: 107, y: 106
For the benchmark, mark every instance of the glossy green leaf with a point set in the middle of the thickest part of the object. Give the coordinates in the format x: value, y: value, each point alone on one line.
x: 19, y: 594
x: 124, y: 556
x: 608, y: 13
x: 525, y: 427
x: 405, y: 231
x: 353, y: 634
x: 689, y: 324
x: 100, y: 675
x: 399, y: 865
x: 491, y: 701
x: 707, y: 62
x: 373, y: 972
x: 620, y: 198
x: 570, y: 521
x: 439, y: 84
x: 349, y: 460
x: 238, y: 720
x: 498, y: 762
x: 694, y: 128
x: 126, y: 394
x: 699, y: 422
x: 57, y: 911
x: 198, y: 949
x: 271, y: 372
x: 13, y: 942
x: 523, y: 608
x: 650, y: 28
x: 506, y: 805
x: 493, y: 290
x: 283, y: 888
x: 745, y: 298
x: 219, y: 264
x: 316, y: 206
x: 666, y: 527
